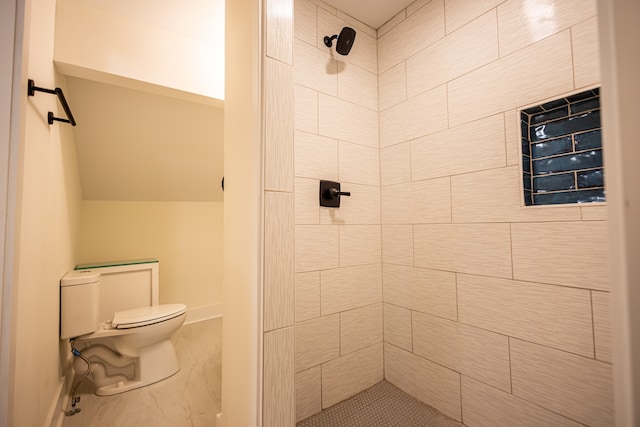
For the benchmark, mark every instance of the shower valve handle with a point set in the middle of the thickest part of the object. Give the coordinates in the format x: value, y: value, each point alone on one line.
x: 330, y: 194
x: 334, y: 192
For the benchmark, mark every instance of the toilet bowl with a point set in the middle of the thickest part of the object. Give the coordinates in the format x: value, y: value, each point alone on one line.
x: 132, y: 355
x: 132, y: 349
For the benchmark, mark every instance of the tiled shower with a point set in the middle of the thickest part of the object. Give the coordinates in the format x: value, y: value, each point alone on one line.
x: 433, y: 274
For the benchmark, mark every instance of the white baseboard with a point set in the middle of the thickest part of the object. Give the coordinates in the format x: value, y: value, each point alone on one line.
x: 205, y: 312
x: 61, y: 400
x: 55, y: 416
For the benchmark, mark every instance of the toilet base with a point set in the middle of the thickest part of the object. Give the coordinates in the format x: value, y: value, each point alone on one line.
x: 123, y: 386
x: 155, y: 363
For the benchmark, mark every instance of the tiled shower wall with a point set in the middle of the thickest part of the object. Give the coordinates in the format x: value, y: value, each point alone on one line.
x: 495, y: 314
x: 431, y: 274
x: 338, y: 274
x: 323, y: 277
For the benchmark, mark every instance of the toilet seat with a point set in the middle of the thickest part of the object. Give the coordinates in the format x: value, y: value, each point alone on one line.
x: 144, y: 316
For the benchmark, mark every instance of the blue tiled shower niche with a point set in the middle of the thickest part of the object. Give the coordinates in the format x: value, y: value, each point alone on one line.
x: 562, y: 151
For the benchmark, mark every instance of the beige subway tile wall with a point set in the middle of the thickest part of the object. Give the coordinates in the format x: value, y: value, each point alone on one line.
x: 347, y: 121
x: 279, y: 276
x: 406, y: 121
x: 305, y: 102
x: 423, y: 379
x: 577, y: 387
x: 513, y: 80
x: 306, y: 201
x: 461, y: 12
x: 397, y: 326
x: 317, y: 341
x: 522, y: 23
x: 307, y: 295
x: 482, y: 249
x: 456, y: 150
x: 487, y: 406
x: 279, y: 403
x: 476, y: 298
x: 279, y: 133
x: 359, y: 244
x: 421, y: 289
x: 279, y: 378
x: 359, y: 164
x: 315, y: 156
x: 308, y: 392
x: 594, y: 213
x: 512, y: 300
x: 584, y: 37
x: 347, y: 375
x: 397, y: 244
x: 602, y: 325
x: 474, y: 352
x: 349, y: 288
x: 512, y: 133
x: 392, y: 86
x: 554, y: 316
x: 494, y: 195
x: 395, y: 164
x: 426, y: 201
x: 410, y: 36
x: 338, y: 252
x: 473, y: 46
x: 570, y: 253
x: 360, y: 328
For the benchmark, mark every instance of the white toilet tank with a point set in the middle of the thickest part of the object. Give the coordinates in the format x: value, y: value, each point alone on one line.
x: 125, y: 285
x: 79, y: 303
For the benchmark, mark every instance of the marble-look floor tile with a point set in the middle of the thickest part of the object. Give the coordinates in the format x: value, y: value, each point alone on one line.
x: 191, y: 397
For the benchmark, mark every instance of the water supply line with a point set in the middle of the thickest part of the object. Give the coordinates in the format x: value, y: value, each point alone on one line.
x: 74, y: 397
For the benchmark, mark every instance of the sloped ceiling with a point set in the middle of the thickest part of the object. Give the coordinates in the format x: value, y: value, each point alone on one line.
x: 374, y: 13
x: 140, y: 146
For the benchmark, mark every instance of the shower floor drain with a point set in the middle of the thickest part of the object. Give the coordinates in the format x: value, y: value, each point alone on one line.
x: 383, y: 405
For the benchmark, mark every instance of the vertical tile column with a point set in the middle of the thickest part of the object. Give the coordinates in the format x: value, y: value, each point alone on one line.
x: 338, y: 310
x: 279, y: 238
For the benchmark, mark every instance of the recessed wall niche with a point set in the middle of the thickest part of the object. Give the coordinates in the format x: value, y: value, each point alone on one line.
x: 562, y: 151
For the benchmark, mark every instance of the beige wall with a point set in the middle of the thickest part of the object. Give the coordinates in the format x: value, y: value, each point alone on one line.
x: 242, y: 326
x: 159, y: 52
x: 49, y: 209
x: 48, y: 234
x: 186, y: 237
x: 144, y: 43
x: 501, y: 310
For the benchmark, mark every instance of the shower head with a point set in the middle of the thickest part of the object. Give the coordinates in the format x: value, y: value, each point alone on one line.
x: 344, y: 42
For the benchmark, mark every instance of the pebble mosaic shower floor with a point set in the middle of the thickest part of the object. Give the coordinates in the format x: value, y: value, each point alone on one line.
x: 383, y: 405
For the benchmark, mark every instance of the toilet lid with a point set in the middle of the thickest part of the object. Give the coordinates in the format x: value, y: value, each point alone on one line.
x: 146, y: 315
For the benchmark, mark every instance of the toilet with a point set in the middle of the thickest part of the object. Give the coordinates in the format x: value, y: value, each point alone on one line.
x: 110, y: 313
